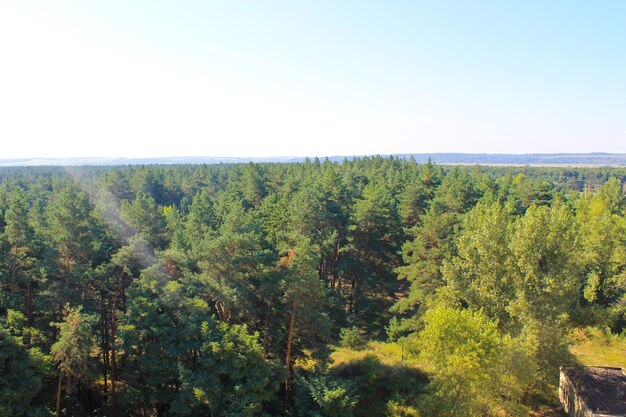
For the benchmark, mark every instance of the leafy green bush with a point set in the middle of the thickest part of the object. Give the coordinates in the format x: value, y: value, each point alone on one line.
x: 350, y: 337
x: 322, y: 395
x: 393, y: 329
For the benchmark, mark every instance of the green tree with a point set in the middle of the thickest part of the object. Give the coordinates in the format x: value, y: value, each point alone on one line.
x: 72, y: 351
x: 612, y: 192
x: 602, y: 258
x: 423, y: 256
x: 22, y: 378
x: 233, y: 268
x: 148, y: 219
x: 302, y: 302
x: 201, y: 222
x: 374, y: 236
x: 413, y: 203
x: 160, y: 332
x: 19, y: 259
x: 181, y: 361
x: 476, y: 370
x: 457, y: 193
x: 75, y: 237
x: 227, y: 377
x: 253, y: 185
x: 324, y: 396
x: 526, y: 275
x: 482, y: 270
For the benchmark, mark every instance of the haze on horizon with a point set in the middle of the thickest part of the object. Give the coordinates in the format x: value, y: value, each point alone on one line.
x: 207, y: 78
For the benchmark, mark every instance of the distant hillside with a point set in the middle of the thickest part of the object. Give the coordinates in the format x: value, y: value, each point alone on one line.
x: 554, y: 159
x: 168, y: 160
x: 572, y: 159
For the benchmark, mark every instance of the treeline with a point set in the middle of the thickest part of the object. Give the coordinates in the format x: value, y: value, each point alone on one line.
x: 220, y: 290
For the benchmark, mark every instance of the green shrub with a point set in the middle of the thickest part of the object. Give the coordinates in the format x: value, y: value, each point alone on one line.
x: 350, y: 337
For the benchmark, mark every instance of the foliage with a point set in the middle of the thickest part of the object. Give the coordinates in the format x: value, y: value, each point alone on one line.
x: 22, y: 378
x: 73, y: 347
x: 231, y: 377
x: 383, y: 377
x: 350, y: 337
x: 477, y: 371
x: 324, y: 396
x: 393, y: 329
x: 222, y: 289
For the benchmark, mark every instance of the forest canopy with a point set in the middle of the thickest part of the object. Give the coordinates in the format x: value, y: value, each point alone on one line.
x: 283, y: 289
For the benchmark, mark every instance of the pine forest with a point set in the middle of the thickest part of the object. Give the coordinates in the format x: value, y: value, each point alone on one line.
x: 375, y: 286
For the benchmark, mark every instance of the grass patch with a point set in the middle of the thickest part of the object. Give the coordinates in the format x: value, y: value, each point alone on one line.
x: 387, y: 381
x: 392, y: 354
x: 593, y: 346
x: 390, y: 379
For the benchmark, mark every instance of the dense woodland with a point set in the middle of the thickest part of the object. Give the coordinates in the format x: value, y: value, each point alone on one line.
x: 223, y: 290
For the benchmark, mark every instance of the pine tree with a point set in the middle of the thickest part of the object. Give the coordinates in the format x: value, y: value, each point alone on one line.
x: 22, y: 378
x: 72, y: 351
x: 20, y: 256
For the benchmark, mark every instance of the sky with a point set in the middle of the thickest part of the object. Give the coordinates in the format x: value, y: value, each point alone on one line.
x: 310, y: 78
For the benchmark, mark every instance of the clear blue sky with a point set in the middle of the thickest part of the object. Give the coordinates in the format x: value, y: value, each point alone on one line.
x: 261, y: 78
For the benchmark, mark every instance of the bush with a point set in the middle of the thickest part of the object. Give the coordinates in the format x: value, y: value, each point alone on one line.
x: 351, y: 338
x: 393, y: 329
x: 321, y: 395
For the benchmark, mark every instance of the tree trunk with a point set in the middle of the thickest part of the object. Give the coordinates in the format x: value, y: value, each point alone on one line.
x: 68, y: 269
x: 113, y: 359
x: 288, y: 356
x: 69, y: 385
x: 59, y: 394
x: 266, y: 326
x: 335, y: 265
x: 29, y: 311
x: 29, y: 306
x: 119, y: 290
x: 351, y: 298
x: 105, y: 348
